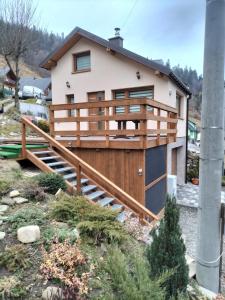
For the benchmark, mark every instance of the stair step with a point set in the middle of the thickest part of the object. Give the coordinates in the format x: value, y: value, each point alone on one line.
x: 116, y: 206
x: 105, y: 201
x: 83, y: 181
x: 121, y: 217
x: 42, y: 152
x: 48, y: 157
x: 61, y: 170
x: 95, y: 195
x: 58, y: 163
x: 70, y: 176
x: 88, y: 188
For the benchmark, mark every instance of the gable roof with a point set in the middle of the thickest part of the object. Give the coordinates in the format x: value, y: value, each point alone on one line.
x: 41, y: 83
x: 7, y: 71
x: 78, y: 32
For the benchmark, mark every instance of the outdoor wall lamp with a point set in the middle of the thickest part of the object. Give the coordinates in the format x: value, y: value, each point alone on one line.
x: 138, y: 75
x: 140, y: 172
x: 68, y: 84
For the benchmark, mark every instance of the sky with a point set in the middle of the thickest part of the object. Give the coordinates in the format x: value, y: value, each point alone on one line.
x: 157, y: 29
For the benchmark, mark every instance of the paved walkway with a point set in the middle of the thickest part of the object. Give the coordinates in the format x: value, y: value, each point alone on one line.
x: 188, y: 195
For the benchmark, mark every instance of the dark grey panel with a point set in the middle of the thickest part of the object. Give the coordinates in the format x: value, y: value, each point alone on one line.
x: 155, y: 163
x: 155, y: 197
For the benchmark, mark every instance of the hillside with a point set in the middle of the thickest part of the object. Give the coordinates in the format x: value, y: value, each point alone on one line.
x: 26, y: 71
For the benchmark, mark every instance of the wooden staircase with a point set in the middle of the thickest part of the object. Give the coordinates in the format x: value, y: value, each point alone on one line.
x: 81, y: 177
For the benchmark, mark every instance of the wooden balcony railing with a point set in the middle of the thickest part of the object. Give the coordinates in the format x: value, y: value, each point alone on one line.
x: 142, y: 119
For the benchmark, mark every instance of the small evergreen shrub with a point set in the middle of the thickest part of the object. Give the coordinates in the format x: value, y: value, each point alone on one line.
x: 43, y: 125
x: 27, y: 216
x: 4, y: 187
x: 34, y: 192
x: 52, y: 234
x: 15, y: 258
x: 167, y: 251
x: 129, y: 277
x: 93, y: 221
x: 52, y: 182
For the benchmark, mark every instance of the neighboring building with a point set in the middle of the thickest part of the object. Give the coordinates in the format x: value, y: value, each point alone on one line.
x: 87, y: 68
x: 7, y: 80
x: 44, y: 84
x: 193, y: 131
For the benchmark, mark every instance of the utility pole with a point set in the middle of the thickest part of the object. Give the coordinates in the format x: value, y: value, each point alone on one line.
x: 212, y: 147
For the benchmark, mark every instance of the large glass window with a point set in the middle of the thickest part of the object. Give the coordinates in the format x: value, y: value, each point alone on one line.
x: 133, y: 93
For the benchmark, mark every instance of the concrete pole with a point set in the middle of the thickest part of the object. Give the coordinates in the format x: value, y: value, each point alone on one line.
x: 211, y: 151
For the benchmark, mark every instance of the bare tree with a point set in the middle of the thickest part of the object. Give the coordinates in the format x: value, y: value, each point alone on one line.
x: 16, y: 20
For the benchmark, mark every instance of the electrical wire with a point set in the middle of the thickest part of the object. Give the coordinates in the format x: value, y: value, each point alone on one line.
x: 129, y: 14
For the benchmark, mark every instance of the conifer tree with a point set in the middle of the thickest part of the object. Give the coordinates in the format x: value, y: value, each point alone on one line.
x: 167, y: 251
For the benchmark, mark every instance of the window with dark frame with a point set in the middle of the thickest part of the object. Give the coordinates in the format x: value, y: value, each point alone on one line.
x: 82, y: 61
x: 147, y: 92
x: 179, y: 105
x: 70, y: 100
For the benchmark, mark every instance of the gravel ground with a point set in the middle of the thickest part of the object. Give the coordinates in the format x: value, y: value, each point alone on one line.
x: 188, y: 223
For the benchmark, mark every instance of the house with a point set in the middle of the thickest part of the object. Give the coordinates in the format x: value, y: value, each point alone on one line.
x: 7, y: 80
x: 123, y: 114
x: 44, y: 84
x: 193, y: 131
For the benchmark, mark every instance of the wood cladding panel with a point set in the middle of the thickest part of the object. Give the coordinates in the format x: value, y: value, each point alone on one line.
x: 120, y: 166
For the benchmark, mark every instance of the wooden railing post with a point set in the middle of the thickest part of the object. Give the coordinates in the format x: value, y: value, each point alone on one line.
x: 107, y: 126
x: 79, y: 179
x: 51, y: 122
x: 143, y: 126
x: 158, y: 127
x: 78, y: 128
x: 23, y: 140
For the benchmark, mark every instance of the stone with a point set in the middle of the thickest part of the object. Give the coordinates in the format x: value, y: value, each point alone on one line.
x: 8, y: 201
x: 59, y: 192
x: 28, y: 234
x: 2, y: 235
x: 1, y: 222
x: 52, y: 292
x: 3, y: 208
x: 20, y: 200
x: 14, y: 193
x: 76, y: 233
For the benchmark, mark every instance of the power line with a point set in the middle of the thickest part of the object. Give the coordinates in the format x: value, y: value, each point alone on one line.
x: 129, y: 14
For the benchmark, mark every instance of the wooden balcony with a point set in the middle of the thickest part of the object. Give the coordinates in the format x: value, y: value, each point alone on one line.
x: 119, y: 124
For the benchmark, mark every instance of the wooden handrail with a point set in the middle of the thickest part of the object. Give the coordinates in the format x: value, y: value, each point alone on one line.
x: 113, y: 103
x: 92, y: 173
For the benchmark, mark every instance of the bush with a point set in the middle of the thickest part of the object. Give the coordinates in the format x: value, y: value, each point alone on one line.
x: 129, y: 277
x: 11, y: 288
x: 102, y: 231
x: 14, y: 114
x: 4, y: 187
x: 192, y: 166
x: 15, y: 258
x: 43, y: 125
x: 167, y: 251
x: 34, y: 192
x: 67, y: 264
x: 94, y: 221
x: 52, y: 234
x: 27, y: 216
x: 52, y: 182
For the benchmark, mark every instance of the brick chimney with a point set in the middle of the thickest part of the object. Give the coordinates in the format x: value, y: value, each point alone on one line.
x: 117, y: 40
